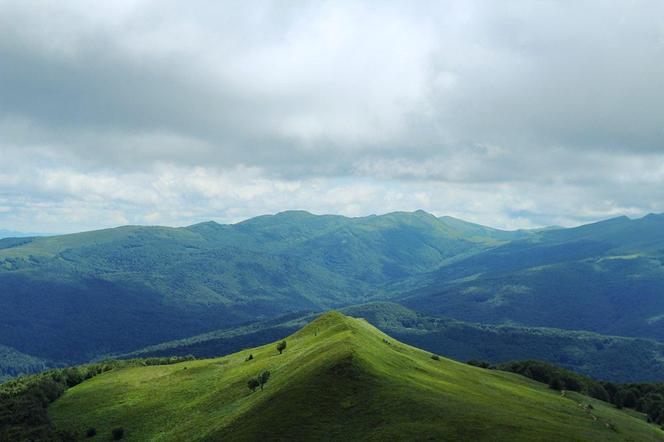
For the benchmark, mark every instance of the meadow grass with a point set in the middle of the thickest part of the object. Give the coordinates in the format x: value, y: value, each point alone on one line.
x: 338, y: 379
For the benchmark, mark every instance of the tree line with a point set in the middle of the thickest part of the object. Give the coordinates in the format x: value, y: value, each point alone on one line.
x: 647, y: 398
x: 24, y: 400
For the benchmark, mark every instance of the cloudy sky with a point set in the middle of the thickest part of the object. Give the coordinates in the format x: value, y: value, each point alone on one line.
x: 512, y: 114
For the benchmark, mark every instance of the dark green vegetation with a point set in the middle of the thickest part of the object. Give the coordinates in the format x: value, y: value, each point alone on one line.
x: 340, y: 379
x: 225, y: 341
x: 23, y: 401
x: 14, y: 363
x: 602, y: 357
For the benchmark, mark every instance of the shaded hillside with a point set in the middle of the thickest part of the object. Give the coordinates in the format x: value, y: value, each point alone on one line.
x: 14, y: 363
x: 339, y: 378
x: 606, y: 277
x: 73, y: 297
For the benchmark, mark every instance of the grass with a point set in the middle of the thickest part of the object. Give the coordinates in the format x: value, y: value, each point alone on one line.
x: 339, y: 378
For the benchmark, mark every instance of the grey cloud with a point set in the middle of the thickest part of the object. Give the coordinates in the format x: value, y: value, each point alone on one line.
x: 551, y: 100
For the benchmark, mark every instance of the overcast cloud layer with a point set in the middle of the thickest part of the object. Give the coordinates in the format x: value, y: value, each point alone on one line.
x: 512, y: 114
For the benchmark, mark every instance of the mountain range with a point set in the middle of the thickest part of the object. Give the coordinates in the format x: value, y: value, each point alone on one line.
x: 73, y: 298
x: 606, y: 277
x: 15, y: 234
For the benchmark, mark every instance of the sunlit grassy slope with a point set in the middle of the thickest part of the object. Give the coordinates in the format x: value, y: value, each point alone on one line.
x: 339, y: 379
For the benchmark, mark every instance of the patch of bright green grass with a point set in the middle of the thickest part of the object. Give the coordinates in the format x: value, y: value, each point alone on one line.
x: 339, y: 379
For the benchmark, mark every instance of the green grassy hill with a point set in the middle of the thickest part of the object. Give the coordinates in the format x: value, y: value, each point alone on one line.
x: 338, y: 379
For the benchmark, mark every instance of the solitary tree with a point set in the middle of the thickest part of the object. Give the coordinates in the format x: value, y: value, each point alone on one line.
x: 263, y: 378
x: 281, y: 346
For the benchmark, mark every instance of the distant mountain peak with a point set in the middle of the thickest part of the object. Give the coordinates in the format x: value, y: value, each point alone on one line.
x: 295, y: 212
x: 654, y: 217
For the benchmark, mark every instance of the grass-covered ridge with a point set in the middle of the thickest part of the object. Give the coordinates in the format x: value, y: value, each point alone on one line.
x: 338, y: 378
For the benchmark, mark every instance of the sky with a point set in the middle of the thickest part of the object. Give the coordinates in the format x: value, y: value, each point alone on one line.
x: 513, y: 114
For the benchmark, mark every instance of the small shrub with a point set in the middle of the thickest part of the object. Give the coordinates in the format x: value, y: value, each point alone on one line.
x: 435, y: 357
x: 118, y: 433
x: 253, y: 384
x: 250, y: 357
x: 91, y: 432
x: 281, y: 346
x: 480, y: 364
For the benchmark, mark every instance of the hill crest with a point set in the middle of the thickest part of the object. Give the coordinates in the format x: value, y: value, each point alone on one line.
x: 338, y: 378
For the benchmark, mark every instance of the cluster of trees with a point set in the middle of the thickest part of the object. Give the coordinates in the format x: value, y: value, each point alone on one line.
x: 24, y: 400
x: 258, y: 381
x: 14, y: 363
x: 647, y: 398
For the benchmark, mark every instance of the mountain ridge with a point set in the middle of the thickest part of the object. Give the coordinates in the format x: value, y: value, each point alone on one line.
x: 203, y: 277
x: 72, y: 298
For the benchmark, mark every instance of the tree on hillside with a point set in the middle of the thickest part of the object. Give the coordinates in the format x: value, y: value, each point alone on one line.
x: 253, y: 384
x: 629, y: 398
x: 263, y: 378
x: 281, y: 346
